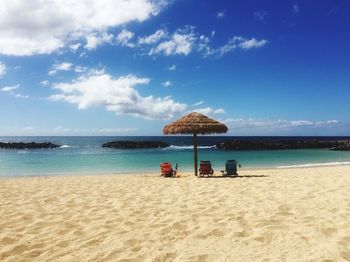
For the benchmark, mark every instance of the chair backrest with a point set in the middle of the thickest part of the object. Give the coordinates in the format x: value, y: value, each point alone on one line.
x: 205, y: 166
x: 231, y: 166
x: 165, y: 167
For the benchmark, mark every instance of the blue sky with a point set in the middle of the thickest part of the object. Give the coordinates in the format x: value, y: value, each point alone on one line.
x: 102, y: 67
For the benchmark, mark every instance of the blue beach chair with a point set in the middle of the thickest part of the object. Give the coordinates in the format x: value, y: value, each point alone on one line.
x: 230, y: 168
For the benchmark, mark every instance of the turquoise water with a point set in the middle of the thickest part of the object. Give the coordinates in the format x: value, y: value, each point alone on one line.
x: 85, y: 155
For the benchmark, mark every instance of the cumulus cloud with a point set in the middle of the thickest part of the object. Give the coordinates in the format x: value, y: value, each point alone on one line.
x: 3, y: 69
x: 75, y: 47
x: 80, y: 69
x: 60, y: 67
x: 166, y: 83
x: 42, y: 27
x: 117, y: 95
x: 180, y: 43
x: 96, y: 39
x: 124, y: 37
x: 184, y: 41
x: 154, y: 38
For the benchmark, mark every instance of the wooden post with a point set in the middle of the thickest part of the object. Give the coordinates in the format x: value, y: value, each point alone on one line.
x: 195, y: 154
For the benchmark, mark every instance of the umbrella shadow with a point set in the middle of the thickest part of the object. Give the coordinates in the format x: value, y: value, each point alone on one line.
x: 239, y: 176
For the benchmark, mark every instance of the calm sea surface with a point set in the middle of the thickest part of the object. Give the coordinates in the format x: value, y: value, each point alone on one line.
x: 86, y: 155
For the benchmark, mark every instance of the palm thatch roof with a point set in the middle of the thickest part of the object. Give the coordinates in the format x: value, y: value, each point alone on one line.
x: 195, y: 123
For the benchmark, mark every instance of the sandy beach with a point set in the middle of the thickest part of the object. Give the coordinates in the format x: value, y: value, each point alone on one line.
x: 265, y: 215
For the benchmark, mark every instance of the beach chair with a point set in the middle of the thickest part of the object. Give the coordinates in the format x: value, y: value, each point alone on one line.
x: 205, y: 168
x: 167, y: 169
x: 230, y: 168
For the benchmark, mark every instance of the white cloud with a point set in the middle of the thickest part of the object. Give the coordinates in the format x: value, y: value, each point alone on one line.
x: 277, y: 123
x: 42, y: 27
x: 117, y: 95
x: 252, y: 43
x: 94, y: 40
x: 94, y: 131
x: 154, y: 38
x: 10, y: 88
x: 60, y: 67
x: 172, y: 68
x: 44, y: 83
x: 124, y: 37
x: 166, y: 83
x: 21, y: 96
x: 198, y: 103
x: 75, y: 47
x: 236, y: 42
x: 180, y: 43
x: 115, y: 130
x: 185, y: 40
x: 80, y: 69
x: 210, y: 111
x: 3, y: 69
x: 220, y: 14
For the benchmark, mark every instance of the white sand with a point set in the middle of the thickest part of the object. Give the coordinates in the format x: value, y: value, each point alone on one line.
x: 267, y: 215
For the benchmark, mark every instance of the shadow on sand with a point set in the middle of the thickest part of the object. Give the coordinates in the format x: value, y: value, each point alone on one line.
x: 252, y: 176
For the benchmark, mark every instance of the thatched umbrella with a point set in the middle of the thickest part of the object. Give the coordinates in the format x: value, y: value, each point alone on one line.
x: 195, y: 123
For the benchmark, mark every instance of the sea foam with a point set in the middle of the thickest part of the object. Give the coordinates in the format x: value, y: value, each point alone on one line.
x: 316, y: 165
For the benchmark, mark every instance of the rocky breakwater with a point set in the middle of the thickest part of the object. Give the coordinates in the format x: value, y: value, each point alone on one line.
x: 342, y: 147
x: 281, y: 144
x: 31, y: 145
x: 135, y: 144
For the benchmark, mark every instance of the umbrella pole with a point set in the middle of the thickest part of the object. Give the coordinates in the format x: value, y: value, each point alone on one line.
x: 195, y: 154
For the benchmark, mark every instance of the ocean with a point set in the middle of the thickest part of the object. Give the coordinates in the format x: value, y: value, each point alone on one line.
x: 85, y: 155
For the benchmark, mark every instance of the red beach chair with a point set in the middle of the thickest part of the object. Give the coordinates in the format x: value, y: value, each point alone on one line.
x: 205, y: 168
x: 167, y: 170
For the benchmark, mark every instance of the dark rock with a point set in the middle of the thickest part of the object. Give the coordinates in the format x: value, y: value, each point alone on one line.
x: 279, y: 144
x: 32, y: 145
x: 342, y: 147
x: 135, y: 144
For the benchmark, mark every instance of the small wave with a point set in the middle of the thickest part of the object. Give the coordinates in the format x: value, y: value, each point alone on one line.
x: 189, y: 147
x: 22, y: 152
x: 316, y: 165
x: 66, y: 146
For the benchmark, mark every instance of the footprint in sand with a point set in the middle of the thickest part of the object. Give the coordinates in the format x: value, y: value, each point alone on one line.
x: 131, y: 242
x: 167, y: 257
x: 16, y: 250
x: 329, y: 231
x: 202, y: 258
x: 7, y: 241
x: 345, y: 255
